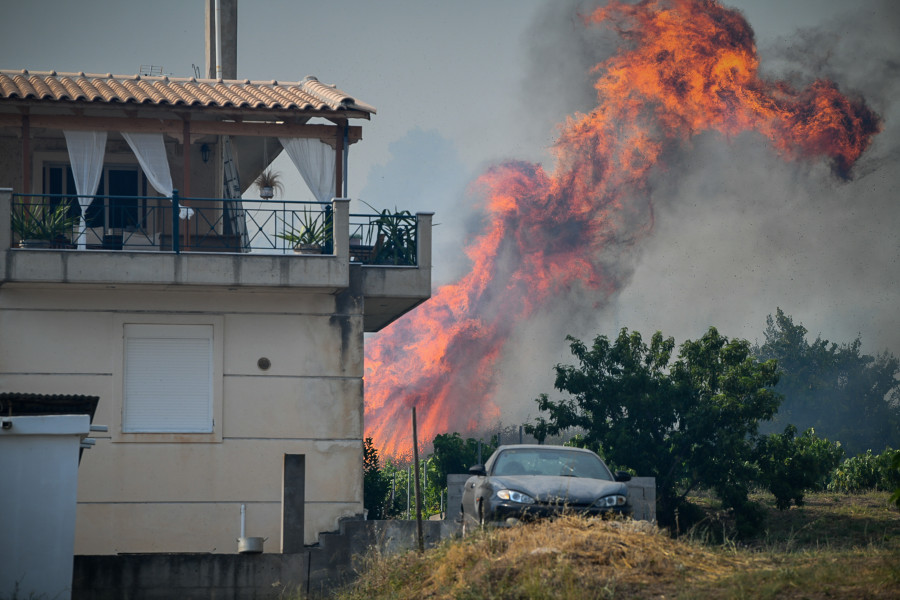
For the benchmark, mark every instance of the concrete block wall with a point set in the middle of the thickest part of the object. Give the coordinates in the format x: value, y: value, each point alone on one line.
x: 189, y: 576
x: 338, y: 556
x: 455, y: 485
x: 315, y: 571
x: 642, y: 498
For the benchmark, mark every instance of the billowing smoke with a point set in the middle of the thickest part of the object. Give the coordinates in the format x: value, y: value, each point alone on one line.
x: 740, y: 232
x: 555, y: 249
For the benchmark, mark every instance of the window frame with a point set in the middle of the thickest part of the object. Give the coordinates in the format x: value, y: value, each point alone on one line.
x: 101, y: 208
x: 118, y: 432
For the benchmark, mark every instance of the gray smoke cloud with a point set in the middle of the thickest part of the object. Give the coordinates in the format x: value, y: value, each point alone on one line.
x: 738, y: 230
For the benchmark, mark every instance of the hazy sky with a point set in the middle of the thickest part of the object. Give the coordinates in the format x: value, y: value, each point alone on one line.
x: 463, y: 84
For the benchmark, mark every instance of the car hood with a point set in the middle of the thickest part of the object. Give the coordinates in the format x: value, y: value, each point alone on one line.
x: 548, y: 489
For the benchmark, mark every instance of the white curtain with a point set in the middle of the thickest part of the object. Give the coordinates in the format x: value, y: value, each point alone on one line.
x: 150, y: 151
x: 315, y: 161
x: 86, y: 150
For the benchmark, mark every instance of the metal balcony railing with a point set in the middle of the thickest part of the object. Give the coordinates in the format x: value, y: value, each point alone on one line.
x: 151, y: 223
x: 384, y: 239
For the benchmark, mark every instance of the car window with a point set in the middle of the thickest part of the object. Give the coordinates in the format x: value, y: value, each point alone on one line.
x: 551, y: 462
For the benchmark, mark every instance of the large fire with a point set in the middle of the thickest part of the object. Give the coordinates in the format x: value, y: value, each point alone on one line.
x: 685, y: 67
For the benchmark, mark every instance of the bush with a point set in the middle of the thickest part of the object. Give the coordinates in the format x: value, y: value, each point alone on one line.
x: 790, y: 465
x: 866, y: 472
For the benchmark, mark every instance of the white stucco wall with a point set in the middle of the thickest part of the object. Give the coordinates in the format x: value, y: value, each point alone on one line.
x: 156, y: 493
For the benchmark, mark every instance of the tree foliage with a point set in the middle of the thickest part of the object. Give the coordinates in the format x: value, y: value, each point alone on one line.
x: 375, y: 485
x: 895, y: 469
x: 389, y: 489
x: 867, y: 471
x: 454, y: 455
x: 789, y: 465
x: 843, y: 394
x: 690, y: 423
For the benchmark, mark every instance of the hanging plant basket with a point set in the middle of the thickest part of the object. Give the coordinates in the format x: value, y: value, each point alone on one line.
x: 269, y: 182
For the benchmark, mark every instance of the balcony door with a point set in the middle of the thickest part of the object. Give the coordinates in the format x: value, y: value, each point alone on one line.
x: 119, y: 204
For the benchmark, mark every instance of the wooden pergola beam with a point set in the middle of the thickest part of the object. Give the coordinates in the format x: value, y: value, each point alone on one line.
x: 175, y: 127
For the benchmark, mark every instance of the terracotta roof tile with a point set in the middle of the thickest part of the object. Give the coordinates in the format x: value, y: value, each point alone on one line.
x: 72, y: 88
x: 104, y: 89
x: 30, y: 90
x: 167, y: 92
x: 308, y: 94
x: 234, y: 97
x: 120, y: 92
x: 91, y: 92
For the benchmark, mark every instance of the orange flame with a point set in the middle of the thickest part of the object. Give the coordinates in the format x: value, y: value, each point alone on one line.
x: 688, y: 66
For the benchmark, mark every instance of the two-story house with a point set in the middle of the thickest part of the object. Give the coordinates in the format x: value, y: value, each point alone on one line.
x: 229, y: 367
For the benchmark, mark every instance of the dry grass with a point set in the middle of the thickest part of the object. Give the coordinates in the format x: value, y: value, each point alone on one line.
x: 576, y: 558
x: 568, y: 558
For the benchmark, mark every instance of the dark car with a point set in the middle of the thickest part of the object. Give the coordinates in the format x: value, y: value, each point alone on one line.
x: 528, y: 481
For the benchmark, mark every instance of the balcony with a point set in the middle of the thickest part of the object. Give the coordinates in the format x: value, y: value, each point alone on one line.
x: 210, y: 242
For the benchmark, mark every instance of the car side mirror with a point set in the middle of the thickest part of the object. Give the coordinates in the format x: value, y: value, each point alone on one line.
x: 477, y: 470
x: 623, y: 476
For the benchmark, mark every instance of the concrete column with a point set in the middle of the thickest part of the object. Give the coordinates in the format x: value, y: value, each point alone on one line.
x: 341, y: 227
x: 642, y: 498
x: 5, y: 225
x: 293, y: 500
x: 455, y: 484
x: 423, y: 240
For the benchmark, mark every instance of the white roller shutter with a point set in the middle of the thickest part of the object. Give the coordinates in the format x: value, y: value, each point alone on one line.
x: 168, y: 384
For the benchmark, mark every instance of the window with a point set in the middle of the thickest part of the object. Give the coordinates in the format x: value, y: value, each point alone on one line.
x: 168, y: 378
x: 121, y: 210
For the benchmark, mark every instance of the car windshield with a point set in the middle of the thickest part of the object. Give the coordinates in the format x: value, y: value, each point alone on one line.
x: 549, y: 461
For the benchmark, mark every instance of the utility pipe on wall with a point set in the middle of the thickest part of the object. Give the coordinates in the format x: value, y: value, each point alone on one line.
x: 218, y: 39
x: 346, y: 158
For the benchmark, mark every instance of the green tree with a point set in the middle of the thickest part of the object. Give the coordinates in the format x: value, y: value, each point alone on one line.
x: 843, y: 394
x: 690, y: 423
x: 790, y: 465
x: 454, y: 455
x: 375, y: 484
x: 399, y: 478
x: 396, y: 479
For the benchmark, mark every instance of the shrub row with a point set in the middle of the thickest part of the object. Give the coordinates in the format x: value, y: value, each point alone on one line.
x: 866, y: 472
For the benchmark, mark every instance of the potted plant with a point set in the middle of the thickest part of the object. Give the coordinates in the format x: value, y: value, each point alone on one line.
x: 310, y: 234
x: 42, y: 225
x: 269, y: 182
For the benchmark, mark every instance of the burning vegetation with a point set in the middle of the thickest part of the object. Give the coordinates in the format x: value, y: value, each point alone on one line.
x: 684, y: 67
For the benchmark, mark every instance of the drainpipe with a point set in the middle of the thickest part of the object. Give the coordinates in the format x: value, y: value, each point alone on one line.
x: 218, y: 39
x: 346, y: 157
